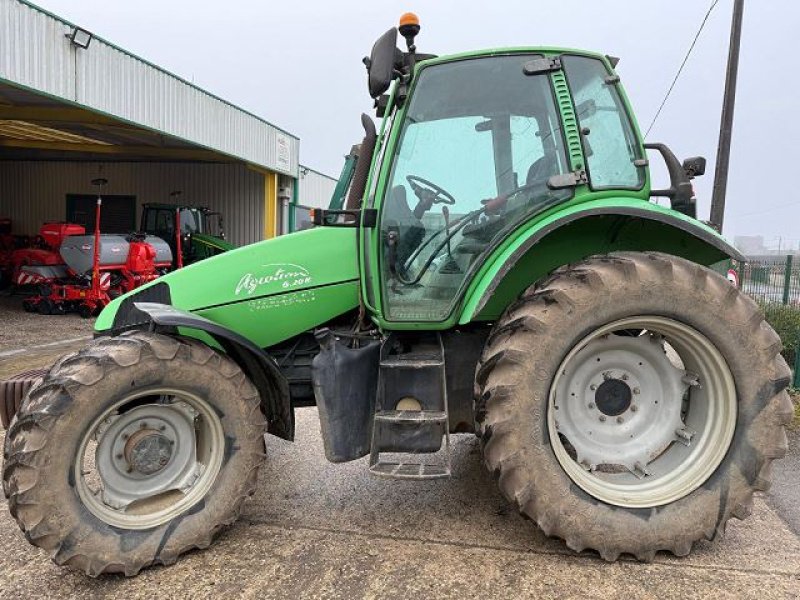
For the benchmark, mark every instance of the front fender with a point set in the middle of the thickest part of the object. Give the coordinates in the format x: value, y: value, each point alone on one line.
x: 580, y: 231
x: 257, y: 364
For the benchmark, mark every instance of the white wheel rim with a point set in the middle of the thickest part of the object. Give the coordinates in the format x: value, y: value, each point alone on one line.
x: 182, y: 425
x: 619, y: 457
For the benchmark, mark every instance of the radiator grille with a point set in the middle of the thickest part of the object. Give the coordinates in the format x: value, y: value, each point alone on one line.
x: 129, y: 316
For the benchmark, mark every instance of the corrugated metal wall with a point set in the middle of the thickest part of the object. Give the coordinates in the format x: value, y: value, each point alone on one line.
x: 35, y: 53
x: 34, y: 192
x: 314, y: 188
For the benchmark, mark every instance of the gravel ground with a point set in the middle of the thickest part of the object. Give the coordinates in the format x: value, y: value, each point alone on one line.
x: 19, y: 329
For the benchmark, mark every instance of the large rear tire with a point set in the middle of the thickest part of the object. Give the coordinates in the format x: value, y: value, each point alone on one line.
x: 132, y: 452
x: 633, y: 403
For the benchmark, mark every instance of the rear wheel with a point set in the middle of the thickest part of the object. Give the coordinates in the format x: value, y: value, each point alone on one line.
x: 132, y: 452
x: 633, y: 403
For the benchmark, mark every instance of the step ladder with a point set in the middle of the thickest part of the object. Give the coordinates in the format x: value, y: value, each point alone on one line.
x: 418, y: 441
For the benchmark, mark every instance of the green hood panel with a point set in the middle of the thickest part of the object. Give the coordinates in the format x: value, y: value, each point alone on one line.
x: 270, y: 290
x: 213, y: 241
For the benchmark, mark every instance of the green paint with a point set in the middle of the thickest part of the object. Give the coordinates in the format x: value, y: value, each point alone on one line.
x: 240, y: 287
x: 576, y: 241
x: 343, y: 184
x: 571, y: 131
x: 206, y: 245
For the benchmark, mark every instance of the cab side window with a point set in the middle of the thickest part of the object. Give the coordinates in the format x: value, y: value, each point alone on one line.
x: 611, y: 146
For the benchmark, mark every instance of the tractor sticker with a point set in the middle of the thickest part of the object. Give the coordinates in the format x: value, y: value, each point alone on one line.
x: 283, y: 300
x: 276, y: 277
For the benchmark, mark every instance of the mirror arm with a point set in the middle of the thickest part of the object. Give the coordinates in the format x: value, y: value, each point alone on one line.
x: 680, y: 192
x: 366, y: 218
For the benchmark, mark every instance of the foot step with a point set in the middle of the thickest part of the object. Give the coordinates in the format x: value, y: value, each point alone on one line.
x: 415, y: 435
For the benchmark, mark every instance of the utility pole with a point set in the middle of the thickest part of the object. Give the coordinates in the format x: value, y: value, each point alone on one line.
x: 726, y: 127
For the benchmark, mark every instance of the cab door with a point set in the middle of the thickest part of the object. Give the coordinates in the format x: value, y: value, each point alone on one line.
x: 468, y: 158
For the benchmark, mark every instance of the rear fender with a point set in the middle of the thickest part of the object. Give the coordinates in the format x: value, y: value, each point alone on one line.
x: 586, y: 230
x: 257, y: 364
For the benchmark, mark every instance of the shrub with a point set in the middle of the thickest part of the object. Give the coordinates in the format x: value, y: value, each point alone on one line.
x: 785, y: 320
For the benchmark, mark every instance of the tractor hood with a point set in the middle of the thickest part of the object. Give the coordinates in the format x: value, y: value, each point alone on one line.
x: 267, y: 292
x: 213, y: 241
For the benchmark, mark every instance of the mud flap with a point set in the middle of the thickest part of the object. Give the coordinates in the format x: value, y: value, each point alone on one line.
x: 345, y: 383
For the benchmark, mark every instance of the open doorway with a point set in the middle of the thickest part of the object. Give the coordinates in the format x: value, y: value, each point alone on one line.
x: 118, y: 214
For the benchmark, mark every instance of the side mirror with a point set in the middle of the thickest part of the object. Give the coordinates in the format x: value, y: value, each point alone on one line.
x: 680, y: 192
x: 381, y: 62
x: 695, y: 167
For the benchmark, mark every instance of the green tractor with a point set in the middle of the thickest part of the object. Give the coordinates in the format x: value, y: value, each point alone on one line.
x: 193, y: 233
x: 499, y: 269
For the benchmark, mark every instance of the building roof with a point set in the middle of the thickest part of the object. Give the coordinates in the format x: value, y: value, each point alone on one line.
x: 105, y: 101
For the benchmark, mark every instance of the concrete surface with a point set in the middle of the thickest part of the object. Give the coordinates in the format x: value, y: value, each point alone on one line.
x: 21, y: 330
x: 318, y: 530
x: 785, y: 493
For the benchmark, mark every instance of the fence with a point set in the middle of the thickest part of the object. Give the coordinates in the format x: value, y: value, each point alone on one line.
x: 771, y: 279
x: 774, y: 282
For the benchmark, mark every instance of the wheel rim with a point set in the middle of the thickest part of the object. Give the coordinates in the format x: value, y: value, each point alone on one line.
x: 642, y: 412
x: 150, y: 457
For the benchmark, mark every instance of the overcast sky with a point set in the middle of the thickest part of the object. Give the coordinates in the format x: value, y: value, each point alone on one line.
x: 298, y: 64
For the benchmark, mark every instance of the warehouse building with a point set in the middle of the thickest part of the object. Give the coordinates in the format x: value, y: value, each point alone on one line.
x: 314, y: 190
x: 74, y: 107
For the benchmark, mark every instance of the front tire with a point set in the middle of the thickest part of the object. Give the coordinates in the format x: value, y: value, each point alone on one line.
x: 133, y: 451
x: 568, y: 394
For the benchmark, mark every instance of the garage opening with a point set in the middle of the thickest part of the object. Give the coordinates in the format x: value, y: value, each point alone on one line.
x: 118, y: 214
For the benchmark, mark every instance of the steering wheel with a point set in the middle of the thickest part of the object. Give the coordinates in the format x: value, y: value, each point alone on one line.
x: 428, y: 191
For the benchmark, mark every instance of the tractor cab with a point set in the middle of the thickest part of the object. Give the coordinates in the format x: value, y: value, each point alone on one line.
x: 193, y: 233
x: 472, y: 147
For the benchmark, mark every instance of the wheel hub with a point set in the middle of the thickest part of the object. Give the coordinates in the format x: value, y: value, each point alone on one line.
x: 613, y: 397
x: 619, y: 402
x: 147, y: 451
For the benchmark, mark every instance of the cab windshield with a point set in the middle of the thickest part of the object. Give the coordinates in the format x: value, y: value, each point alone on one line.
x: 479, y: 142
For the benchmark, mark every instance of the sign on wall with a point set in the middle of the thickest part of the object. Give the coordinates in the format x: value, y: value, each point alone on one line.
x: 283, y: 160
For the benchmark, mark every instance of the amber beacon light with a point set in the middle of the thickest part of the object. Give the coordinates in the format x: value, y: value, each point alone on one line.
x: 409, y: 25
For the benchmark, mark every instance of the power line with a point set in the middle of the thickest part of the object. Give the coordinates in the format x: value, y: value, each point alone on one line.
x: 683, y: 64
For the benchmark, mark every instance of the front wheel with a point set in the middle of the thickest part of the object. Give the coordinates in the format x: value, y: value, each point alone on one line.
x: 132, y: 452
x: 633, y: 403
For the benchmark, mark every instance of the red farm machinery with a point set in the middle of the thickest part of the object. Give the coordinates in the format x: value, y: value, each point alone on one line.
x: 64, y: 270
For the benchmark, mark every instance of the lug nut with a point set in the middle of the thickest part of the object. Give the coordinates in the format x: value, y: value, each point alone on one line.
x: 591, y: 405
x: 637, y: 391
x: 602, y: 418
x: 634, y: 408
x: 624, y: 377
x: 593, y: 387
x: 620, y: 420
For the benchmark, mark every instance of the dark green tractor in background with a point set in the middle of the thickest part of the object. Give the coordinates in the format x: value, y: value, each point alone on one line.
x: 202, y: 232
x: 499, y: 269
